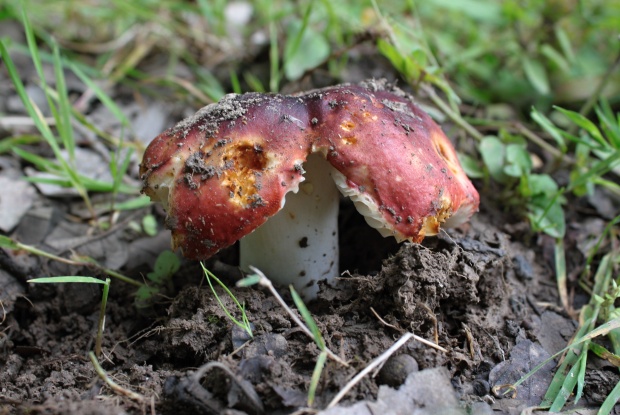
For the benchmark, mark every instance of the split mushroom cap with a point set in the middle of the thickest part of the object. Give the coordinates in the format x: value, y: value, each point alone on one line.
x: 223, y: 172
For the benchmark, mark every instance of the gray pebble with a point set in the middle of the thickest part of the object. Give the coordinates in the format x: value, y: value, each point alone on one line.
x: 396, y: 369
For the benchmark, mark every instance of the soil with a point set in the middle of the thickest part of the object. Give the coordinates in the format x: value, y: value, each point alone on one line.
x: 474, y: 291
x: 485, y: 292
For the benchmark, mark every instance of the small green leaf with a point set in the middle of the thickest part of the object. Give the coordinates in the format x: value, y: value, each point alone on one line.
x: 166, y: 265
x: 402, y: 64
x: 144, y: 294
x: 471, y: 166
x: 556, y: 57
x: 249, y: 281
x: 536, y: 74
x: 545, y: 206
x: 565, y: 44
x: 542, y: 184
x: 149, y: 224
x: 586, y: 124
x: 312, y: 51
x: 550, y: 128
x: 493, y: 153
x: 519, y: 160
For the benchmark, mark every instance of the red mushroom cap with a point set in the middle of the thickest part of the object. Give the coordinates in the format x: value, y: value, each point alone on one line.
x: 398, y: 166
x: 223, y: 172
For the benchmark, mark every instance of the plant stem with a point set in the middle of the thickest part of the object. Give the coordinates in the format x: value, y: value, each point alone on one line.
x: 101, y: 325
x: 450, y: 113
x: 113, y: 385
x: 543, y: 144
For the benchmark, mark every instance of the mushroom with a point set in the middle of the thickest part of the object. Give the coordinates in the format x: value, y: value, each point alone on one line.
x: 264, y: 169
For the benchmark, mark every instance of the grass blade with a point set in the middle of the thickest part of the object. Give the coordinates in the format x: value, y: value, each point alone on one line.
x: 307, y: 316
x: 40, y: 123
x: 8, y: 144
x: 67, y: 279
x: 41, y: 163
x: 558, y: 384
x: 569, y: 382
x: 100, y: 93
x: 560, y: 272
x: 63, y: 120
x: 610, y: 401
x: 134, y: 203
x: 550, y: 128
x: 274, y: 59
x: 244, y: 324
x: 316, y: 376
x: 585, y: 124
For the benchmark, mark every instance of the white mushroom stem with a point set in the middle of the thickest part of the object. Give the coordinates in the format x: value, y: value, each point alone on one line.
x: 299, y: 245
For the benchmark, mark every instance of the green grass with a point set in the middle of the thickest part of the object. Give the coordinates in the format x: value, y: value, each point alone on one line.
x: 84, y: 280
x: 515, y: 82
x: 318, y: 340
x: 61, y: 138
x: 244, y: 321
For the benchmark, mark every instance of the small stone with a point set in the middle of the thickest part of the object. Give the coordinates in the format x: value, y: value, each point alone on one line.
x: 16, y: 198
x: 266, y: 344
x: 481, y: 387
x: 523, y: 267
x: 240, y: 336
x: 481, y: 408
x: 396, y: 369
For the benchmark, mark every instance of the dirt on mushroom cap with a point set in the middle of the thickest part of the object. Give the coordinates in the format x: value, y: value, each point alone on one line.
x: 225, y: 171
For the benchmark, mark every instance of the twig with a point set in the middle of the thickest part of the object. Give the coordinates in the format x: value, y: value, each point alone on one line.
x: 102, y: 47
x: 3, y: 312
x: 433, y: 317
x: 189, y: 87
x: 379, y: 360
x: 113, y: 385
x: 470, y: 341
x: 385, y: 323
x: 11, y: 122
x: 265, y: 282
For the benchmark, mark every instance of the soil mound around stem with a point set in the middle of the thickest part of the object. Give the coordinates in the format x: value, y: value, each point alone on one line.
x: 473, y: 293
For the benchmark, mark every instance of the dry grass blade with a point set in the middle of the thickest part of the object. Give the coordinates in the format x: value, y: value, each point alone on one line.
x: 378, y: 361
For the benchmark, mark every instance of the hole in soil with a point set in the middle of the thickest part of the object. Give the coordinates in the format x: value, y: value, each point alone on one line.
x: 362, y: 248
